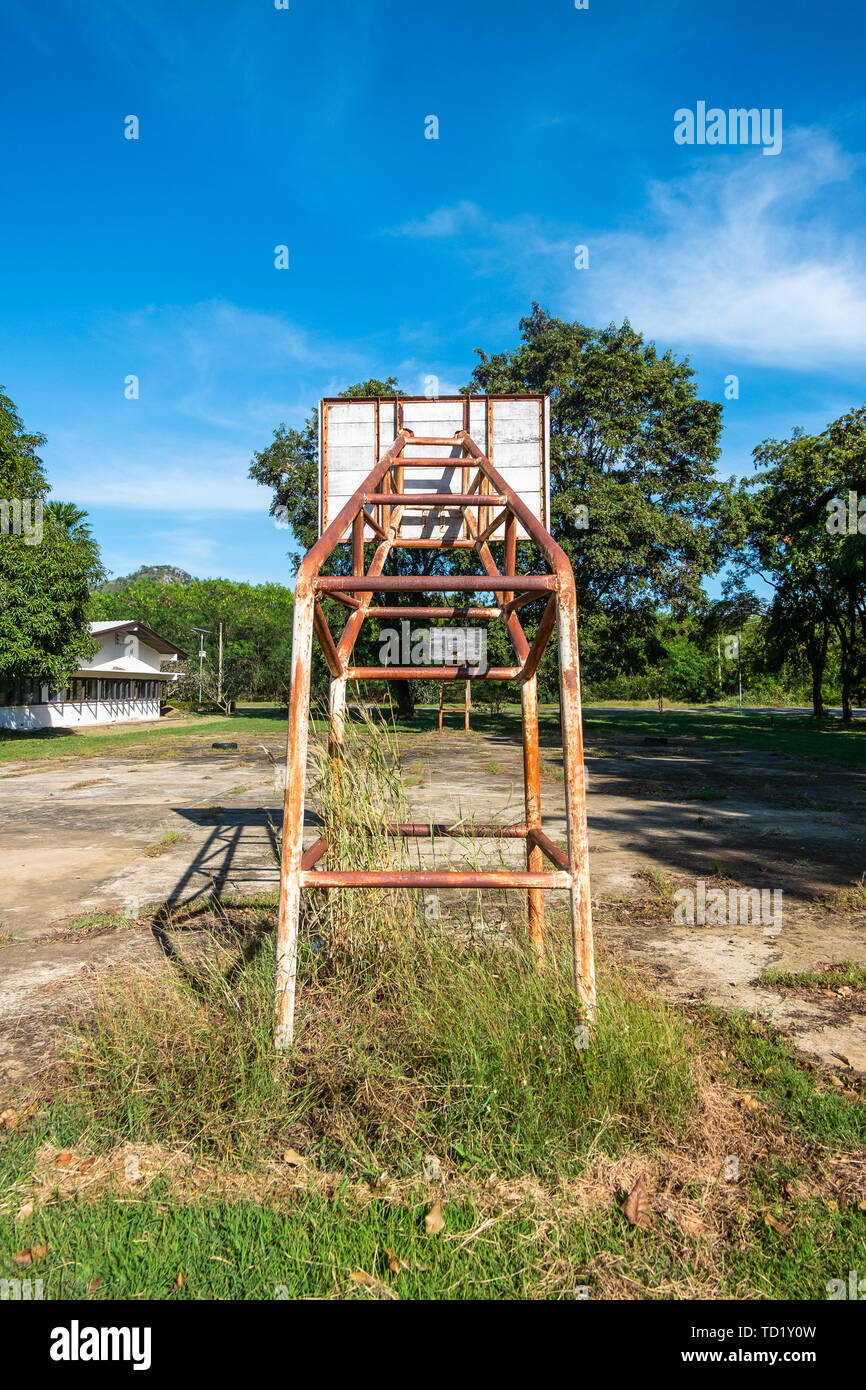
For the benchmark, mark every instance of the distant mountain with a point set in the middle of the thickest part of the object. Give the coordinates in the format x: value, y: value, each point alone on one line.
x: 162, y: 574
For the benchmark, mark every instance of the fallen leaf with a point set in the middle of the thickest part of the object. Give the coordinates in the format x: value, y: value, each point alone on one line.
x: 394, y: 1264
x: 8, y: 1119
x: 749, y: 1103
x: 434, y: 1221
x: 179, y: 1282
x: 24, y: 1211
x: 636, y: 1207
x: 797, y: 1191
x: 64, y: 1158
x: 31, y: 1256
x: 360, y: 1276
x: 776, y: 1225
x: 693, y: 1223
x: 380, y: 1183
x: 294, y: 1158
x: 95, y: 1283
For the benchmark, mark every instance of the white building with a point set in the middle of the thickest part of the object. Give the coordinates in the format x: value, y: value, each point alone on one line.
x: 123, y: 682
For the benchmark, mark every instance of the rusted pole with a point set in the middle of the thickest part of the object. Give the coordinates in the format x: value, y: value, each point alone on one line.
x: 441, y: 703
x: 336, y: 730
x: 337, y: 717
x: 532, y: 796
x: 575, y: 794
x: 293, y: 815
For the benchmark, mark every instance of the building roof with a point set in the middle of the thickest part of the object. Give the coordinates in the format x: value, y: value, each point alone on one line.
x: 126, y: 666
x: 147, y: 634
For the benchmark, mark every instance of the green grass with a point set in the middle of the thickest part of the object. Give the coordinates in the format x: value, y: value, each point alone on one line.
x: 446, y: 1050
x: 125, y: 740
x: 811, y: 1107
x: 797, y: 736
x: 316, y: 1247
x: 850, y: 899
x: 412, y: 1041
x: 831, y: 977
x: 171, y: 837
x: 415, y: 1047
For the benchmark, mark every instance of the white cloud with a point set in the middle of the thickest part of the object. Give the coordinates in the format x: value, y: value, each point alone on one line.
x: 749, y: 260
x: 754, y: 258
x: 444, y: 222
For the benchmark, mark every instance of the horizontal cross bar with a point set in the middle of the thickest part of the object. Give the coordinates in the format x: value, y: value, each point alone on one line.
x: 478, y: 613
x: 464, y: 829
x: 433, y: 673
x: 435, y: 499
x: 431, y: 878
x: 451, y: 440
x: 436, y: 583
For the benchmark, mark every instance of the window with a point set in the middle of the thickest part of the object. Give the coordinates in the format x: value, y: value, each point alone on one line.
x: 25, y: 691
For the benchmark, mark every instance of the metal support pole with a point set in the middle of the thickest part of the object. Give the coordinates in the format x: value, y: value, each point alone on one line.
x: 337, y: 719
x: 293, y: 815
x: 575, y: 797
x: 532, y: 794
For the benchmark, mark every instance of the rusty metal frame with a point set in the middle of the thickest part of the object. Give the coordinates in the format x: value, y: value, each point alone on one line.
x: 487, y: 494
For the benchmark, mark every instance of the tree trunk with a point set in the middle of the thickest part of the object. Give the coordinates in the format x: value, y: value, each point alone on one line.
x: 817, y: 682
x: 401, y: 694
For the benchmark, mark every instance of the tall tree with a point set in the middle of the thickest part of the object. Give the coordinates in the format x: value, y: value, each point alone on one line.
x: 797, y: 525
x: 632, y: 452
x: 44, y: 575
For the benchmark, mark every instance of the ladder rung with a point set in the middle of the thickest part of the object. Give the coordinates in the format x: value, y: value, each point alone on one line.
x: 442, y: 461
x: 436, y: 583
x: 436, y: 499
x: 433, y: 673
x: 451, y: 439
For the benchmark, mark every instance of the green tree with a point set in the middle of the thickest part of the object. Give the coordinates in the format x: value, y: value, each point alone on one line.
x: 633, y: 446
x: 289, y: 466
x: 44, y: 576
x: 791, y: 527
x: 256, y: 618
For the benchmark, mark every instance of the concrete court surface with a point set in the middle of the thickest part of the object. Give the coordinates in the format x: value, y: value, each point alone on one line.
x: 76, y: 835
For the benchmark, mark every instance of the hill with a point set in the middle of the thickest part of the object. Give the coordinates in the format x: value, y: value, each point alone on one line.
x: 163, y: 574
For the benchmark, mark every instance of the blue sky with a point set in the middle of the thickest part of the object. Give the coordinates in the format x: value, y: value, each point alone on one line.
x: 306, y: 127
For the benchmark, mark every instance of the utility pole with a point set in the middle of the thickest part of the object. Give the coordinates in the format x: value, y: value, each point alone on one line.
x: 220, y: 676
x: 202, y: 632
x: 740, y: 670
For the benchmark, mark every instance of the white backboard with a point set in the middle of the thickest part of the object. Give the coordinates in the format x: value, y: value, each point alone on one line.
x: 513, y: 431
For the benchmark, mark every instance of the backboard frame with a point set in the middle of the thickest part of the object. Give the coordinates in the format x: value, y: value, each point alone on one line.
x: 376, y: 420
